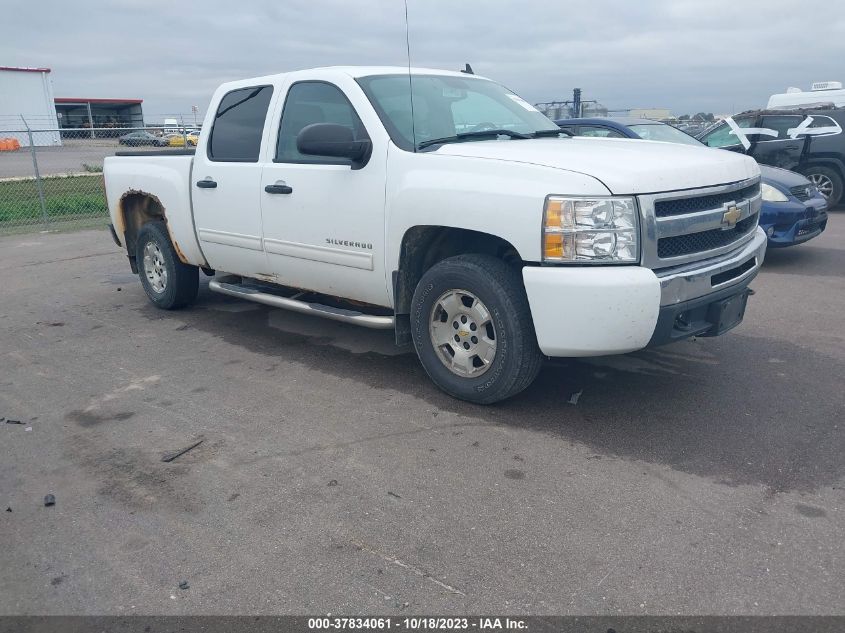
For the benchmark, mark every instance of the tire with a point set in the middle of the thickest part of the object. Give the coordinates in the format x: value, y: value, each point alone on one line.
x: 168, y: 282
x: 479, y: 285
x: 828, y: 178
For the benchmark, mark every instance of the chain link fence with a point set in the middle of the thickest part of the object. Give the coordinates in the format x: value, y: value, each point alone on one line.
x: 52, y: 179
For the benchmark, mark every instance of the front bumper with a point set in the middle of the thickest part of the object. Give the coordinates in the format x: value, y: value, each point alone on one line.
x: 792, y: 223
x: 602, y: 310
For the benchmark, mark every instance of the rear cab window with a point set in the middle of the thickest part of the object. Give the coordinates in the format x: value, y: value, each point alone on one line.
x: 239, y: 125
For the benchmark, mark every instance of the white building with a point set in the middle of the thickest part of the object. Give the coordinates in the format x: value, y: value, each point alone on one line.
x: 28, y: 93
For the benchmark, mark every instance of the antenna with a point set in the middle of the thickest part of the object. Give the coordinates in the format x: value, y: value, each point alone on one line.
x: 468, y: 70
x: 410, y: 82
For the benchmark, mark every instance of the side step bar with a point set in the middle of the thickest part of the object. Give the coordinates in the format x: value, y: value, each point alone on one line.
x: 327, y: 312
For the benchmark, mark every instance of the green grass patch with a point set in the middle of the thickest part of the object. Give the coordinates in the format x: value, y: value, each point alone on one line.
x: 66, y: 197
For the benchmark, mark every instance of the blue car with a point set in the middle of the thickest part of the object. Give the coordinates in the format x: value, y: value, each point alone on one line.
x: 793, y: 209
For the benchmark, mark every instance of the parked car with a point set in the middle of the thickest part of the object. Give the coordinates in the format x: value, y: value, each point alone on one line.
x: 809, y: 141
x: 141, y: 138
x: 793, y: 210
x: 178, y: 140
x: 354, y: 207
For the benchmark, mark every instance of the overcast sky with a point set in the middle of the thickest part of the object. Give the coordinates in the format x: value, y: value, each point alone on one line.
x: 716, y: 56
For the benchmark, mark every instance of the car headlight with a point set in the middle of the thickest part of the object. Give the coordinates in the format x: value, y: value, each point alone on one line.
x: 770, y: 194
x: 590, y: 229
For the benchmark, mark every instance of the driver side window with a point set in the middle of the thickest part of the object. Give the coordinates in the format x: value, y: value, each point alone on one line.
x: 722, y: 135
x: 311, y: 102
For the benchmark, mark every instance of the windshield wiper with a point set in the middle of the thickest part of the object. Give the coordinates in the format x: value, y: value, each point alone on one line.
x: 463, y: 136
x: 558, y: 132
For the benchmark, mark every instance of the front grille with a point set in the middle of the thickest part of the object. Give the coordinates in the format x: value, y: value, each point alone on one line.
x: 667, y: 208
x: 810, y: 228
x: 680, y: 245
x: 802, y: 192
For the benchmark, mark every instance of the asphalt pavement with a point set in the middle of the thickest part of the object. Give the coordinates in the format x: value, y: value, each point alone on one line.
x: 705, y: 477
x: 69, y: 158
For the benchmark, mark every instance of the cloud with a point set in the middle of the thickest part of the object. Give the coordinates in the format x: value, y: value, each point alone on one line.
x: 717, y: 56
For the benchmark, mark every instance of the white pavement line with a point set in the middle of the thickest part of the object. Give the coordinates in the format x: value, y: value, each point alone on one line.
x: 409, y: 567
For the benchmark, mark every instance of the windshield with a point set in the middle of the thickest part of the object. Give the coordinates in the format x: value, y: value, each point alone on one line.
x: 662, y: 132
x: 445, y: 105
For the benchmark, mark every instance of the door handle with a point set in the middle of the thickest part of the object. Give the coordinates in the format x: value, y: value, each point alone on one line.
x: 207, y: 183
x: 279, y: 187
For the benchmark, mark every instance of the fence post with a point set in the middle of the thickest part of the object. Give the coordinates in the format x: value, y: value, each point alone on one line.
x: 38, y: 182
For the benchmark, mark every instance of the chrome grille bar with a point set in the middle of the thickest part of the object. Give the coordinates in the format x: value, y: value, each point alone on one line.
x: 733, y: 208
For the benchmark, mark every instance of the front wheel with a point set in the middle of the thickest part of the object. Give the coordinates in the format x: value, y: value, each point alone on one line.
x: 472, y: 329
x: 168, y: 282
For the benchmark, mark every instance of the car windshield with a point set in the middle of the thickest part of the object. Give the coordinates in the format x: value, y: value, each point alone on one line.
x: 446, y: 106
x: 663, y: 132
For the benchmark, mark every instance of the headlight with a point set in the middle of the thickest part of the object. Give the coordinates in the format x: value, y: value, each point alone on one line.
x: 770, y: 194
x: 590, y: 229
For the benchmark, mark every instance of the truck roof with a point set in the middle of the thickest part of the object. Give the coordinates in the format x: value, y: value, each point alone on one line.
x: 351, y: 71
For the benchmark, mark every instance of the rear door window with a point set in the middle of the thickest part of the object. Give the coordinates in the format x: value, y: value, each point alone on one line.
x: 239, y: 124
x: 781, y: 124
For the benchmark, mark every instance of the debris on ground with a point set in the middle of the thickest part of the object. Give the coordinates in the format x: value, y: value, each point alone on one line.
x: 333, y: 482
x: 184, y: 584
x: 171, y: 456
x: 393, y: 494
x: 573, y: 399
x: 13, y: 421
x: 49, y: 500
x: 8, y: 509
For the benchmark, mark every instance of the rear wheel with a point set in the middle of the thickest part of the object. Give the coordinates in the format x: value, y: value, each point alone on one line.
x: 827, y: 180
x: 472, y: 329
x: 168, y: 282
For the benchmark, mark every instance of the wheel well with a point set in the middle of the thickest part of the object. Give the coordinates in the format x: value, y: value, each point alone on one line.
x: 136, y: 209
x: 830, y: 164
x: 424, y: 246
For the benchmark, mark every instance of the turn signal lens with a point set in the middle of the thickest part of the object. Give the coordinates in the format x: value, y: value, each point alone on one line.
x: 553, y: 248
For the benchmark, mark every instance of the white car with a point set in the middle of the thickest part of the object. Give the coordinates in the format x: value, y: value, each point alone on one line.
x: 324, y: 191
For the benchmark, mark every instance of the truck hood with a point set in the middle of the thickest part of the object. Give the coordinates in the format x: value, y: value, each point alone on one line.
x: 625, y: 166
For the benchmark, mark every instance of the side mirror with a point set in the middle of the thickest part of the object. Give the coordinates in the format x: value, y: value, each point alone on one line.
x: 331, y: 139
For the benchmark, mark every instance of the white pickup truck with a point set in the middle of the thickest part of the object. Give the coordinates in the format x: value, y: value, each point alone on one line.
x: 465, y: 220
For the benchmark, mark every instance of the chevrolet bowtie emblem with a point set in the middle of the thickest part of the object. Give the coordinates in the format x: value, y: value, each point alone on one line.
x: 731, y: 216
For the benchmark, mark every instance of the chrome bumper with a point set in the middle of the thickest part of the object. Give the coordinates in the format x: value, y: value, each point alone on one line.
x: 689, y: 281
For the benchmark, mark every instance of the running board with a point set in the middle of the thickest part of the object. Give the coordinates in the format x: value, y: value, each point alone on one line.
x: 328, y: 312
